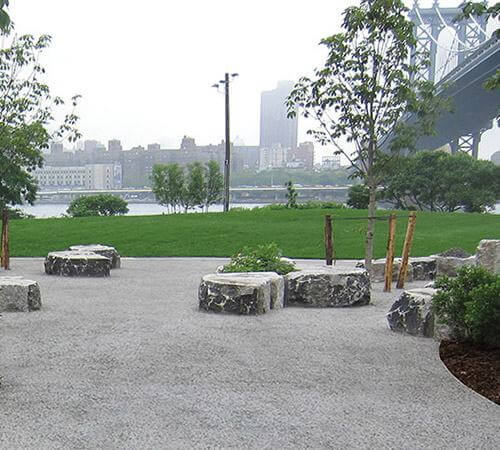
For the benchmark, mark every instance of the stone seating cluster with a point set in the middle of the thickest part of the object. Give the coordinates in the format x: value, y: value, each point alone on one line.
x: 83, y: 260
x: 411, y: 313
x: 253, y: 293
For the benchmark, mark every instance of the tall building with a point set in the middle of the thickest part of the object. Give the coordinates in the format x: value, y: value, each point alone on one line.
x: 114, y: 145
x: 275, y: 127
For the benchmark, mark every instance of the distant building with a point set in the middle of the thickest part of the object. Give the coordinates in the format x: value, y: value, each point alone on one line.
x: 275, y: 127
x: 330, y: 162
x: 90, y: 146
x: 245, y: 157
x: 56, y: 147
x: 188, y: 143
x: 114, y: 145
x: 153, y: 147
x: 272, y: 157
x: 302, y: 156
x: 90, y: 176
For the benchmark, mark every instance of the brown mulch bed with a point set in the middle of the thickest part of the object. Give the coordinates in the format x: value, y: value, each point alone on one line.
x: 477, y: 368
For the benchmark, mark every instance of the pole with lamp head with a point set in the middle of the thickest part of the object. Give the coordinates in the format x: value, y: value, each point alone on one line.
x: 227, y: 160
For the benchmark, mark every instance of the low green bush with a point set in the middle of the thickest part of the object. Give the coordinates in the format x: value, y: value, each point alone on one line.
x: 263, y: 258
x: 17, y: 213
x: 97, y: 205
x: 470, y: 305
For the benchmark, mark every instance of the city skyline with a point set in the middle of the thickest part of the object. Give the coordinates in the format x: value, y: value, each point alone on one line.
x: 145, y: 73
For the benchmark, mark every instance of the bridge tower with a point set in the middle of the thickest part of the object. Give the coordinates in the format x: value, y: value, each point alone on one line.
x: 429, y: 22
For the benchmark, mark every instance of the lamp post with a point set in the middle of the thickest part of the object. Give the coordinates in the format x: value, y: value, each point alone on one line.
x: 227, y: 160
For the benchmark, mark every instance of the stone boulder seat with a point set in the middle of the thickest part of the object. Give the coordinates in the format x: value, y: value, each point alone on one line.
x: 19, y: 294
x: 74, y: 264
x: 327, y: 287
x: 249, y: 293
x: 104, y: 250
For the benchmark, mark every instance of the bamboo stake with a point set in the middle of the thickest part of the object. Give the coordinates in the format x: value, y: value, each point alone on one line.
x: 328, y: 240
x: 406, y: 250
x: 389, y: 261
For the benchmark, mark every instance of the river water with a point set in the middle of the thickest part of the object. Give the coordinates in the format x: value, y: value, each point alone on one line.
x: 45, y: 210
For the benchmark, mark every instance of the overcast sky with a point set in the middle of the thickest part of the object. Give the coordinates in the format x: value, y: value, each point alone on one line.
x: 145, y: 69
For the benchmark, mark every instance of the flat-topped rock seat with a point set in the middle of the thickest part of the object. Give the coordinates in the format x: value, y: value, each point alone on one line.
x: 249, y: 293
x: 74, y: 264
x: 327, y: 287
x: 449, y: 265
x: 19, y: 294
x: 104, y: 250
x: 411, y: 313
x: 419, y: 269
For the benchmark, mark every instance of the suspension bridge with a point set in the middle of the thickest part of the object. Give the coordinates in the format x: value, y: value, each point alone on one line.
x: 471, y: 58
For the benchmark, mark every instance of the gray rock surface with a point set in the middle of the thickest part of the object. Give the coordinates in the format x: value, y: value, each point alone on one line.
x: 19, y: 294
x: 327, y: 287
x: 423, y: 268
x: 277, y: 300
x: 488, y: 255
x: 449, y: 265
x: 411, y: 313
x: 73, y: 264
x: 104, y: 250
x: 128, y: 362
x: 235, y: 293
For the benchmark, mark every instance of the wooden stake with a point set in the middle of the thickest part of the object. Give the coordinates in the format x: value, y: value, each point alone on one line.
x: 5, y: 239
x: 389, y: 260
x: 328, y: 240
x: 406, y: 250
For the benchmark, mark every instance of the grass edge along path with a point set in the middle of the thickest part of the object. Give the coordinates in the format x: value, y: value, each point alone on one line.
x: 299, y: 233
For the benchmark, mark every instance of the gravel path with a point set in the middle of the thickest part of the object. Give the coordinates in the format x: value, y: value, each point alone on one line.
x: 129, y: 362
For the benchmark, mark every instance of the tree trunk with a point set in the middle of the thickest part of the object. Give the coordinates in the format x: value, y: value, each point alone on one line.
x: 370, y: 229
x: 5, y: 239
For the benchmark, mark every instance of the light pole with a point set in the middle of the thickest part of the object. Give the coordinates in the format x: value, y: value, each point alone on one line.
x: 227, y: 160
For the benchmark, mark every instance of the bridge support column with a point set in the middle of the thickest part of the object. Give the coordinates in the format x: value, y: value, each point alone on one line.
x: 467, y: 144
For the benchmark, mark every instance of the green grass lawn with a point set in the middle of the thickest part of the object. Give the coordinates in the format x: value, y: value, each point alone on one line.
x: 299, y: 233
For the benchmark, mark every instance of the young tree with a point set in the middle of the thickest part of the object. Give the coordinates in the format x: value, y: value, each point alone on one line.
x: 364, y: 90
x: 214, y: 184
x: 168, y: 184
x: 195, y: 186
x: 291, y: 195
x: 26, y: 117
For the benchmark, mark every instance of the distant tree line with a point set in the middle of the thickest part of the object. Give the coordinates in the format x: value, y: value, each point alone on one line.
x: 435, y: 181
x: 182, y: 188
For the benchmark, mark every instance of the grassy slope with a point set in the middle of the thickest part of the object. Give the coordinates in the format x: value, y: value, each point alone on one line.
x: 298, y: 232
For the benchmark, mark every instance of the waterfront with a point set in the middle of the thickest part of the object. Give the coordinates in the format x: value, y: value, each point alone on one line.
x: 45, y: 210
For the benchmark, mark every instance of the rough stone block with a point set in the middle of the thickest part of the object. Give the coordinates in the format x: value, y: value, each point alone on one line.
x: 449, y: 265
x: 104, y: 250
x: 411, y: 313
x: 74, y: 264
x: 328, y: 287
x: 19, y: 294
x: 423, y: 268
x: 235, y: 293
x: 488, y: 255
x: 277, y: 300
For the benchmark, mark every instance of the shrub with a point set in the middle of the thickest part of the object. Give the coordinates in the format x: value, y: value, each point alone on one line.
x: 97, y: 205
x: 311, y: 204
x: 470, y: 305
x: 263, y: 258
x: 358, y: 196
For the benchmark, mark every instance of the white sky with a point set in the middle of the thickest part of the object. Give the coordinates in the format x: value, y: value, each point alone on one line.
x: 145, y: 68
